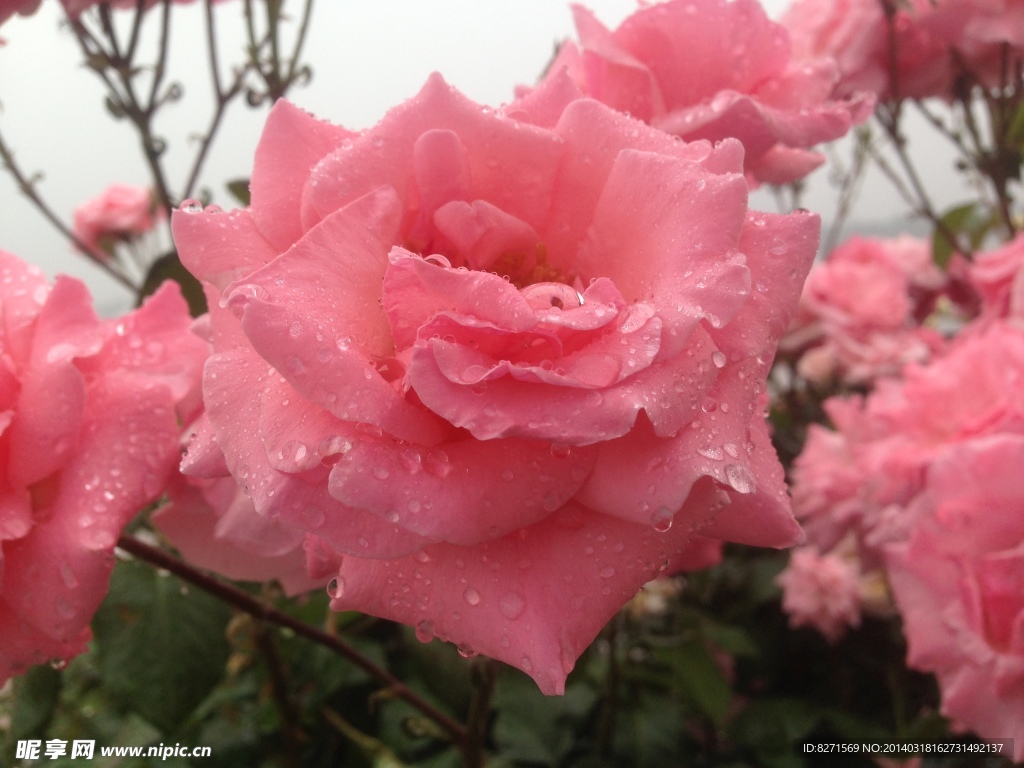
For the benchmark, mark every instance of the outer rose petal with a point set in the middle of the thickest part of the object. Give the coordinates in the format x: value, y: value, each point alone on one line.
x: 534, y: 599
x: 216, y: 527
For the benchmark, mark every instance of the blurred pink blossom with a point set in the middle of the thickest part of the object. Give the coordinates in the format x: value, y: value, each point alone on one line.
x: 89, y: 414
x: 820, y: 591
x: 711, y: 69
x: 861, y: 310
x: 120, y: 212
x: 959, y: 585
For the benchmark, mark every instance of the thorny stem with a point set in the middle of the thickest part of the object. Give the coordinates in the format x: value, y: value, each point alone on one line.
x: 27, y: 188
x: 245, y: 602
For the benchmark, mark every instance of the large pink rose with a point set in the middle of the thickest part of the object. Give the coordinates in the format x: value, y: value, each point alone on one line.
x: 959, y: 584
x: 505, y: 367
x: 89, y: 429
x: 120, y: 212
x: 861, y: 311
x: 711, y: 69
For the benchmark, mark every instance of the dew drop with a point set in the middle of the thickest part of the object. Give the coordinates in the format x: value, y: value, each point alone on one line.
x: 465, y: 651
x: 560, y: 450
x: 542, y: 296
x: 718, y: 358
x: 336, y: 588
x: 437, y: 463
x: 607, y: 572
x: 661, y: 519
x: 508, y: 475
x: 471, y: 596
x: 191, y: 206
x: 381, y: 473
x: 740, y: 478
x: 512, y: 605
x: 425, y: 631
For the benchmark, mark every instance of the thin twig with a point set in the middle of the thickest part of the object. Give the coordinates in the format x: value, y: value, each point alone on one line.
x: 27, y: 188
x: 254, y: 607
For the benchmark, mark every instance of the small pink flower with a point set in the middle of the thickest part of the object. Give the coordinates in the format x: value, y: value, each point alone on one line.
x: 503, y: 365
x: 860, y: 312
x: 121, y: 212
x: 89, y: 415
x: 959, y: 584
x: 711, y: 69
x: 820, y: 591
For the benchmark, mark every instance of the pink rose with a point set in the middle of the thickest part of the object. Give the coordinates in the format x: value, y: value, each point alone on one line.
x: 121, y: 212
x: 959, y: 584
x: 10, y: 7
x: 862, y: 478
x: 820, y: 591
x: 935, y: 42
x: 998, y: 276
x: 89, y: 432
x: 710, y: 69
x: 504, y: 366
x: 861, y: 310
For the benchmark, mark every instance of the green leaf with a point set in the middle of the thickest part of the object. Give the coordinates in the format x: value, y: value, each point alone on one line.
x: 773, y: 726
x: 169, y: 267
x: 35, y: 697
x: 239, y: 189
x: 161, y: 647
x: 970, y: 219
x: 696, y: 676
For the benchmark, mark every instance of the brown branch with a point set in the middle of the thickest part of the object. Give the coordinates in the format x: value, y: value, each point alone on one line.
x: 245, y: 602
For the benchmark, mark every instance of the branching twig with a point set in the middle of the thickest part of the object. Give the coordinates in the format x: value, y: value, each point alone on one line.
x: 27, y: 188
x: 245, y: 602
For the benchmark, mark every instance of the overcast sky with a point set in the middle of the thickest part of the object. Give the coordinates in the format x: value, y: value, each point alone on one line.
x: 366, y: 57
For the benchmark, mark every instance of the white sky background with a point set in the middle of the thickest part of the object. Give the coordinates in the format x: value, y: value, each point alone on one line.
x: 366, y: 57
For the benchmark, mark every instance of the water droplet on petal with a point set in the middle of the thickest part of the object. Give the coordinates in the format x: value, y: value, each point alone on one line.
x: 740, y: 478
x: 661, y: 519
x: 543, y: 296
x: 437, y: 463
x: 465, y: 651
x: 336, y: 588
x: 560, y: 450
x: 471, y: 596
x: 508, y: 475
x: 191, y: 206
x: 381, y: 473
x: 607, y: 572
x: 718, y: 358
x: 512, y: 605
x: 425, y: 631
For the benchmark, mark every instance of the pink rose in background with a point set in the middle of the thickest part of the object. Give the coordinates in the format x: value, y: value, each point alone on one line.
x: 860, y: 483
x: 998, y: 276
x: 10, y: 7
x: 861, y: 310
x: 89, y: 415
x: 820, y: 591
x: 504, y: 367
x: 959, y: 584
x: 935, y: 42
x: 121, y: 212
x: 710, y: 69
